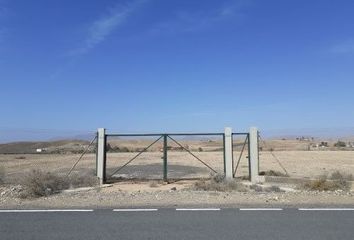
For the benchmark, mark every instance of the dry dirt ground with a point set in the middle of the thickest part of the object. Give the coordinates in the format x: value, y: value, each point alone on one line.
x: 178, y: 194
x: 304, y: 164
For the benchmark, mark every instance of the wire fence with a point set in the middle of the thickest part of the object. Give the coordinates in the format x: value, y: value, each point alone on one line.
x: 305, y: 156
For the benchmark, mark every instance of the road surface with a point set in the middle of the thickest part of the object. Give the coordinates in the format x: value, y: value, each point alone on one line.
x: 178, y: 224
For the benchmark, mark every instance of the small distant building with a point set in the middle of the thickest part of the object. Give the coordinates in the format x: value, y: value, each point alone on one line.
x: 305, y: 139
x: 40, y: 150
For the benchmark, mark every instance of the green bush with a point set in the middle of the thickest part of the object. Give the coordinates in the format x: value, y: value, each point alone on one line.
x: 340, y: 144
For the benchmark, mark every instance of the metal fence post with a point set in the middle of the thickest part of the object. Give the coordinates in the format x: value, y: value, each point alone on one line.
x: 228, y: 153
x: 253, y: 157
x: 101, y: 155
x: 165, y: 146
x: 96, y: 153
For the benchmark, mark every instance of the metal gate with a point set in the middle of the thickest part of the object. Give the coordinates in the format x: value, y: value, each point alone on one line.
x: 164, y: 156
x: 173, y: 156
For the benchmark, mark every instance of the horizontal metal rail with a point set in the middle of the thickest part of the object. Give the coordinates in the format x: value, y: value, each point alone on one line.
x: 160, y: 134
x: 239, y: 133
x: 133, y: 135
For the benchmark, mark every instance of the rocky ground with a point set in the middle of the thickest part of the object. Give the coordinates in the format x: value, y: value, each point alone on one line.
x: 181, y: 194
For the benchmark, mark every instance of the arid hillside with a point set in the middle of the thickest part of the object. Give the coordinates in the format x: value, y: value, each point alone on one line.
x: 63, y: 146
x: 193, y: 144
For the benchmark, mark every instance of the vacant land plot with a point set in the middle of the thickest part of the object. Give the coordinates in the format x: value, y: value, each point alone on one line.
x: 180, y: 164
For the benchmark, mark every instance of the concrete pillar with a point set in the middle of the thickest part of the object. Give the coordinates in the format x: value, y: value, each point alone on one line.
x: 101, y: 155
x: 228, y: 154
x: 254, y: 161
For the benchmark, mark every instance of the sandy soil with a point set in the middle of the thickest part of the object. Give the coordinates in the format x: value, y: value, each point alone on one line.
x: 127, y: 195
x: 181, y: 164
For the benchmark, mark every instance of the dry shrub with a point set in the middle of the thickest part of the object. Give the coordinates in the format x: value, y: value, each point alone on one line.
x: 153, y: 184
x: 336, y: 181
x: 337, y: 175
x: 38, y: 183
x: 82, y: 180
x: 256, y: 188
x: 273, y: 189
x: 2, y: 175
x: 259, y: 188
x: 219, y: 187
x: 273, y: 173
x: 220, y: 184
x: 218, y: 178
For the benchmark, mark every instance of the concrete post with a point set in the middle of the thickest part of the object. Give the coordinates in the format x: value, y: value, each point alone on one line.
x: 101, y: 155
x: 254, y: 161
x: 228, y: 154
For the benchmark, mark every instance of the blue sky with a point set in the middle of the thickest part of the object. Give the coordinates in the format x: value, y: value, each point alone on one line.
x: 157, y: 65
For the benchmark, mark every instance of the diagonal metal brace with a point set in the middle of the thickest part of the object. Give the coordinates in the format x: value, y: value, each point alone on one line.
x: 192, y: 154
x: 275, y: 157
x: 144, y: 150
x: 84, y: 152
x: 239, y: 159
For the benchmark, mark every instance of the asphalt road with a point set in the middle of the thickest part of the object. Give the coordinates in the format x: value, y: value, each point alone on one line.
x: 171, y: 224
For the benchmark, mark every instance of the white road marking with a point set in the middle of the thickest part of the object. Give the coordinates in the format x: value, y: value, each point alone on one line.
x: 197, y: 209
x: 44, y: 210
x: 326, y: 209
x: 135, y: 210
x: 261, y: 209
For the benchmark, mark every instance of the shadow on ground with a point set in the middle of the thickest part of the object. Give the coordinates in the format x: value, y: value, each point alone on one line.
x: 155, y: 171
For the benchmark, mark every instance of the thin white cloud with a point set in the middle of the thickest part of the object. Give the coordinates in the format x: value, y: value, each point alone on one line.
x: 233, y: 7
x: 103, y: 27
x: 189, y: 21
x: 343, y: 48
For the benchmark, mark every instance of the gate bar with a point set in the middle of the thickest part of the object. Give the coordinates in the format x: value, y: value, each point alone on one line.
x: 170, y: 134
x: 165, y: 157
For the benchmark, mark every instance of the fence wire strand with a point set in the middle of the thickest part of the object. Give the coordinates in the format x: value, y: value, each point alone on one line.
x: 239, y: 159
x: 192, y: 154
x: 81, y: 156
x: 275, y: 157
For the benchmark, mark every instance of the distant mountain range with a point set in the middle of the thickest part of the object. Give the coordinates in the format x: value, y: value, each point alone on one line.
x: 33, y: 135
